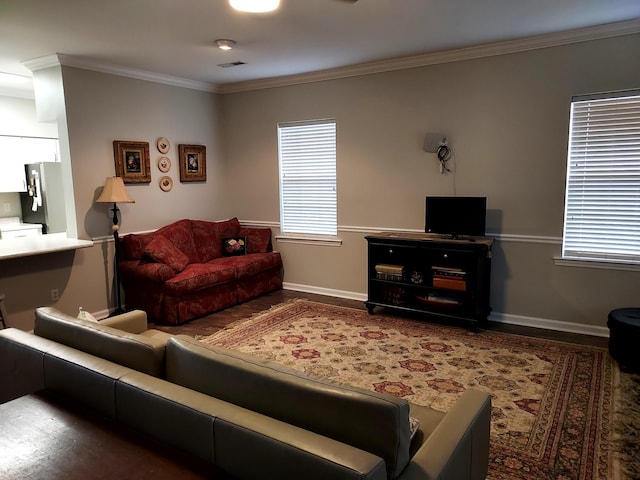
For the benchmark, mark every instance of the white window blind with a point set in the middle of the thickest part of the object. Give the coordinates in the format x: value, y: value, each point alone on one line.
x: 307, y: 159
x: 602, y: 209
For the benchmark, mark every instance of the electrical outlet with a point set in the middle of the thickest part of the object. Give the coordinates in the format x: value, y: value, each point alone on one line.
x: 7, y: 207
x: 55, y: 295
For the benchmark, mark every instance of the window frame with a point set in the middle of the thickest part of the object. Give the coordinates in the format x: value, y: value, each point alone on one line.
x: 319, y: 186
x: 594, y: 147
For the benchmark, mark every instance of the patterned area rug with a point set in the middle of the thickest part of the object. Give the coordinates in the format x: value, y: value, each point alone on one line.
x: 552, y: 401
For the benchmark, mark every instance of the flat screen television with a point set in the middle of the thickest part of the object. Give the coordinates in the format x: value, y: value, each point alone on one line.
x: 456, y: 216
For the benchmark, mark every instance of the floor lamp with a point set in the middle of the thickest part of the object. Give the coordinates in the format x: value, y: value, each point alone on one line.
x: 115, y: 192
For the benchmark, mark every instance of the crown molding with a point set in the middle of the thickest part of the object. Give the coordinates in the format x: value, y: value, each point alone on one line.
x: 597, y: 32
x: 78, y: 62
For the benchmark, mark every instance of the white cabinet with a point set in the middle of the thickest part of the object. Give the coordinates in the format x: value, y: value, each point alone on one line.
x: 16, y: 152
x: 10, y: 227
x: 38, y: 150
x: 23, y: 231
x: 13, y: 178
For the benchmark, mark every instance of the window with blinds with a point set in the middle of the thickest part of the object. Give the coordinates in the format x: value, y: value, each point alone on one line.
x: 602, y: 206
x: 307, y: 160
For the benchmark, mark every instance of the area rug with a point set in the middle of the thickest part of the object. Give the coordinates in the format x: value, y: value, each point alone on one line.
x: 552, y: 401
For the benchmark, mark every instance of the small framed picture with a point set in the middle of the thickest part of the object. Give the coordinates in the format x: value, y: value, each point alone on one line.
x: 132, y: 161
x: 193, y: 163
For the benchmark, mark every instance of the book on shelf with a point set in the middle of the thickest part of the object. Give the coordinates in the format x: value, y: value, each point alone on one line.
x: 385, y: 271
x: 448, y: 272
x: 387, y: 268
x: 449, y: 278
x: 449, y: 283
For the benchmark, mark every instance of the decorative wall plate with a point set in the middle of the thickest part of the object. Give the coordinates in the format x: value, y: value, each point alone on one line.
x: 164, y: 164
x: 166, y: 183
x: 163, y: 145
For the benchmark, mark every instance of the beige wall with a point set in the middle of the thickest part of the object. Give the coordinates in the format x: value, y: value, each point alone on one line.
x: 101, y: 108
x: 506, y: 118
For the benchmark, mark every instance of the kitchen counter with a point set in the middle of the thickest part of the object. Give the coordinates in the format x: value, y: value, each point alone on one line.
x: 19, y: 230
x: 39, y: 244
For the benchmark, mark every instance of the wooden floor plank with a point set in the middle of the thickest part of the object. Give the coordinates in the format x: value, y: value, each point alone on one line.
x: 48, y: 437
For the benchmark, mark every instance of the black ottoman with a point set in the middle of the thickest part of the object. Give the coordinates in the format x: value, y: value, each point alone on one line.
x: 624, y: 337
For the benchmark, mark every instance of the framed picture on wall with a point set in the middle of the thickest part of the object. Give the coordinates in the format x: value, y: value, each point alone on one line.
x: 132, y: 161
x: 193, y: 163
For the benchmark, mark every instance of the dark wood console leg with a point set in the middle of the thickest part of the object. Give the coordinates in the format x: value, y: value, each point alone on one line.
x: 370, y: 307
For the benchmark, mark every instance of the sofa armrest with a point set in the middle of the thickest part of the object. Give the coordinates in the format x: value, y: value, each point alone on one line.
x: 134, y: 321
x: 458, y: 447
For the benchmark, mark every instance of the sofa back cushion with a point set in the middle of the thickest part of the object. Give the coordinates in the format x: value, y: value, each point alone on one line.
x: 367, y: 420
x: 258, y: 239
x: 208, y: 237
x: 160, y: 249
x: 132, y: 245
x: 180, y: 234
x: 139, y: 352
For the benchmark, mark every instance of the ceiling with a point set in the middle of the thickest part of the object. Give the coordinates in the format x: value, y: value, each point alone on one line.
x: 176, y: 38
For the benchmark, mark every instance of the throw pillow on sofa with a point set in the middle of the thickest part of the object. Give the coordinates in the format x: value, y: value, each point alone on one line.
x: 162, y: 250
x: 234, y: 246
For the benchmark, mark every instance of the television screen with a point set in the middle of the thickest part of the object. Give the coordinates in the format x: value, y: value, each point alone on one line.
x: 456, y: 216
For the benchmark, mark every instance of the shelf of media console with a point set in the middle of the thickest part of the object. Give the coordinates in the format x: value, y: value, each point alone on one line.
x: 421, y: 296
x: 417, y: 263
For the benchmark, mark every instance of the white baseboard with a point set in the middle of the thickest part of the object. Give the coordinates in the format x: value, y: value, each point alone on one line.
x: 520, y: 320
x: 325, y: 291
x: 547, y: 324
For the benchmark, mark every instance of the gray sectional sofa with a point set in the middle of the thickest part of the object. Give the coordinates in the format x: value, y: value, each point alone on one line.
x: 250, y: 417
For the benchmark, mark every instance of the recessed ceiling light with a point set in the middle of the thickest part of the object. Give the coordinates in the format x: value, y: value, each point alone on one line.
x: 255, y: 6
x: 225, y: 44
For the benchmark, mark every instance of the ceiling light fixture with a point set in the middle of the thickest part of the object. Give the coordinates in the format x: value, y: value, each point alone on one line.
x: 225, y: 44
x: 255, y: 6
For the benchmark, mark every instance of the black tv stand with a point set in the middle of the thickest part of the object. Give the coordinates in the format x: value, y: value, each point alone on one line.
x: 444, y: 278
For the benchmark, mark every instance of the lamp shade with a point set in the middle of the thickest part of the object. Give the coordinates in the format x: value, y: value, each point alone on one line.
x: 114, y: 191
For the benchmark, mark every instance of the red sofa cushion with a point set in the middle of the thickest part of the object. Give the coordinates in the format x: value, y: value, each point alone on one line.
x: 208, y: 237
x: 134, y: 243
x: 180, y: 234
x: 162, y: 250
x: 199, y: 275
x: 250, y: 264
x: 258, y: 239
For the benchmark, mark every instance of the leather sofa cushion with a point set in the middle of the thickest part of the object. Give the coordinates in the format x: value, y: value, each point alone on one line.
x: 139, y: 352
x: 244, y: 443
x: 370, y: 421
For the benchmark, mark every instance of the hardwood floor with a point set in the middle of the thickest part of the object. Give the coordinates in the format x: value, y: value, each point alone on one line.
x: 46, y: 437
x: 217, y: 321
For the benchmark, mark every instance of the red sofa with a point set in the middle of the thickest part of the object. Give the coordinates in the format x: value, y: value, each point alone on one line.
x: 183, y: 271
